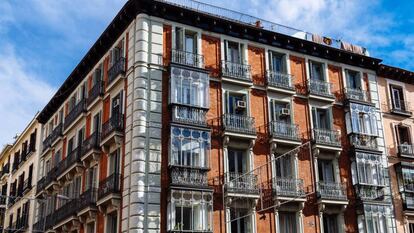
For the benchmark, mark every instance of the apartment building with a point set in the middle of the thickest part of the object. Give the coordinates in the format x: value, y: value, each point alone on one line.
x: 396, y: 91
x: 19, y: 166
x: 186, y: 117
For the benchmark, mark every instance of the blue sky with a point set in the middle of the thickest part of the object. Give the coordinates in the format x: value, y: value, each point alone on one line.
x: 41, y: 41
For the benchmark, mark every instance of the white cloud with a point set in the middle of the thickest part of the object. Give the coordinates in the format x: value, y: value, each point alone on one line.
x: 22, y: 94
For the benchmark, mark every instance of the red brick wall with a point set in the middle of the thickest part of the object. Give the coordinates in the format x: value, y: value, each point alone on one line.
x: 211, y: 49
x: 335, y: 78
x: 257, y: 63
x: 298, y: 70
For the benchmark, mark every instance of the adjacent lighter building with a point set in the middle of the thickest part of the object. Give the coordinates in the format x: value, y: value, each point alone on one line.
x: 19, y: 168
x: 185, y: 117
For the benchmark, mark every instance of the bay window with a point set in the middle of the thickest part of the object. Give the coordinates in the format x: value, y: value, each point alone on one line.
x: 189, y: 147
x: 189, y: 87
x: 190, y: 211
x: 377, y: 219
x: 407, y: 178
x: 363, y: 119
x: 368, y: 169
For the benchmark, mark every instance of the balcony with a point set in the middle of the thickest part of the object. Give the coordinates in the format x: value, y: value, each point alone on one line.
x: 75, y: 114
x: 27, y: 185
x: 189, y: 115
x: 109, y: 192
x: 95, y: 93
x: 87, y: 203
x: 320, y: 90
x: 331, y: 191
x: 112, y: 130
x: 242, y: 184
x: 69, y: 165
x: 187, y: 59
x: 91, y: 149
x: 401, y: 107
x: 66, y: 213
x: 280, y: 81
x: 406, y: 150
x: 358, y: 95
x: 5, y: 171
x: 363, y: 141
x: 117, y: 70
x: 56, y: 134
x: 238, y: 125
x: 285, y: 133
x: 236, y: 72
x: 41, y: 184
x: 16, y: 164
x: 408, y: 201
x: 367, y: 192
x: 190, y: 177
x: 327, y: 137
x: 50, y: 178
x: 288, y: 187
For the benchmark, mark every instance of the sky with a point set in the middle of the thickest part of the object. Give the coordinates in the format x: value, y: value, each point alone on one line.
x: 41, y: 41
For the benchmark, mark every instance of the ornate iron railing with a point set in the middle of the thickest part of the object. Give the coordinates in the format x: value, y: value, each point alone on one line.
x: 364, y: 141
x: 67, y: 210
x: 236, y: 70
x: 27, y: 184
x: 406, y: 150
x: 117, y: 68
x: 401, y: 107
x: 72, y: 158
x: 92, y: 142
x: 88, y: 198
x: 56, y: 133
x: 110, y: 185
x: 280, y: 80
x: 321, y: 88
x: 289, y: 187
x: 238, y: 123
x: 41, y: 184
x: 189, y: 115
x: 280, y: 129
x: 188, y: 176
x: 77, y: 110
x: 114, y: 124
x: 333, y: 191
x: 187, y: 58
x: 357, y: 94
x: 95, y: 91
x: 370, y: 192
x: 327, y: 137
x: 242, y: 183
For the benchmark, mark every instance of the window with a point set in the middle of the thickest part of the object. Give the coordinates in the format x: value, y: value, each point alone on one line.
x: 236, y: 103
x: 72, y: 103
x: 97, y: 75
x: 284, y: 167
x: 376, y: 223
x: 326, y: 171
x: 317, y: 71
x: 237, y: 161
x: 363, y: 119
x: 322, y: 118
x: 330, y: 223
x: 81, y: 136
x: 240, y: 221
x: 91, y: 178
x: 71, y: 144
x: 370, y: 170
x: 280, y: 111
x: 189, y: 87
x: 116, y: 53
x: 190, y: 211
x: 57, y: 159
x: 410, y: 227
x: 96, y: 124
x: 353, y: 79
x: 277, y: 62
x: 287, y: 222
x: 90, y: 227
x: 185, y: 40
x: 114, y: 162
x: 408, y: 177
x: 233, y: 52
x: 189, y: 147
x: 403, y: 135
x: 116, y: 108
x: 397, y: 96
x: 112, y: 223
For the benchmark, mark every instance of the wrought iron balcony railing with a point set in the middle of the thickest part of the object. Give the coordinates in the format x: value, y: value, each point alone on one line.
x: 327, y: 137
x: 51, y: 176
x: 71, y: 159
x: 187, y: 58
x: 41, y: 184
x: 76, y: 111
x: 27, y: 184
x: 238, y: 124
x: 363, y: 141
x: 406, y: 150
x: 46, y: 143
x: 91, y: 143
x: 283, y: 130
x: 56, y: 133
x: 279, y: 80
x: 288, y: 187
x: 237, y: 71
x: 97, y: 90
x: 242, y: 183
x: 117, y: 68
x: 331, y: 191
x: 357, y: 94
x: 70, y: 208
x: 401, y: 107
x: 189, y: 115
x: 6, y: 169
x: 114, y: 124
x: 110, y: 185
x: 321, y: 88
x: 188, y: 176
x: 88, y: 198
x: 370, y: 192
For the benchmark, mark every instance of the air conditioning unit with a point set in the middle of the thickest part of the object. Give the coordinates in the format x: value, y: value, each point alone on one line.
x: 285, y: 112
x: 115, y: 103
x: 240, y: 104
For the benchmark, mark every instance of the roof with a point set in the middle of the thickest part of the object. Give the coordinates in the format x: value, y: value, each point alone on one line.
x: 202, y: 17
x: 396, y: 73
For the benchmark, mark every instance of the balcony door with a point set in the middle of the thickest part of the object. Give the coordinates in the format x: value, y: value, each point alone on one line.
x: 288, y: 222
x: 330, y: 223
x: 353, y: 80
x: 277, y: 62
x: 236, y: 104
x: 233, y: 52
x: 240, y: 221
x: 81, y: 137
x: 284, y: 167
x: 403, y: 135
x: 237, y: 162
x: 185, y: 40
x: 114, y: 162
x: 116, y: 107
x: 97, y: 123
x: 316, y: 71
x: 322, y: 118
x: 397, y: 96
x: 91, y: 178
x: 326, y: 171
